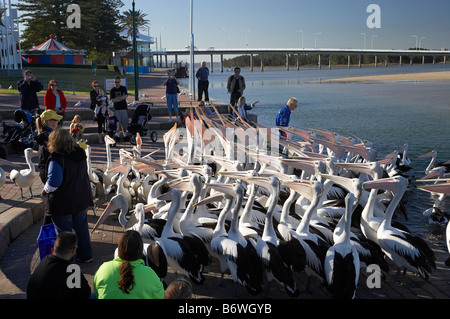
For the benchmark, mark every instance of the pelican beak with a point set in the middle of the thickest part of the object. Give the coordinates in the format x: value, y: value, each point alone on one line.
x: 121, y: 168
x: 8, y: 163
x: 260, y: 181
x: 169, y: 173
x: 234, y: 174
x: 358, y: 167
x: 343, y: 181
x: 429, y: 154
x: 108, y: 210
x: 183, y: 184
x: 306, y: 165
x: 442, y: 188
x: 304, y: 188
x: 221, y: 187
x: 211, y: 199
x: 391, y: 184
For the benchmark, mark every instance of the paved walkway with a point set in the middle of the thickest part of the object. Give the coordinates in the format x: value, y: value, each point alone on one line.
x: 20, y: 220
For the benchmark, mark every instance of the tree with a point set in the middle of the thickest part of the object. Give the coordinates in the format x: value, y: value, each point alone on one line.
x: 126, y: 20
x: 99, y: 34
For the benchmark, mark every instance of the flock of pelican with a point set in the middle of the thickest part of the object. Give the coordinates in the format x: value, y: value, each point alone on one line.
x: 325, y: 206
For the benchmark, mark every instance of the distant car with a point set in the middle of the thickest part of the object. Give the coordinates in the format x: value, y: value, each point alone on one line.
x: 211, y: 48
x: 188, y: 47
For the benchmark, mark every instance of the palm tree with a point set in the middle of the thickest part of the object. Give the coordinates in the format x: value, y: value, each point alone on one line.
x: 126, y: 21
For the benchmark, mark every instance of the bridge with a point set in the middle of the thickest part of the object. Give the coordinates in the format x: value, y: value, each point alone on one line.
x: 302, y: 52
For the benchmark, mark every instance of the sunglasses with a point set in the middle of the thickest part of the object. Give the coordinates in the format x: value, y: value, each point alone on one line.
x: 117, y: 82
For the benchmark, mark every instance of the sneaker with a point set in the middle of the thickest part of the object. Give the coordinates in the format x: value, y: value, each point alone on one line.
x: 207, y: 103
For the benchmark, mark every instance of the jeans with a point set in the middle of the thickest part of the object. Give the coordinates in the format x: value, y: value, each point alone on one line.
x: 203, y: 87
x: 172, y: 99
x: 77, y: 222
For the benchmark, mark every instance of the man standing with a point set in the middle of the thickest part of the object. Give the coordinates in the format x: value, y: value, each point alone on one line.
x: 283, y: 117
x: 28, y: 87
x: 236, y: 85
x: 203, y: 83
x: 118, y: 95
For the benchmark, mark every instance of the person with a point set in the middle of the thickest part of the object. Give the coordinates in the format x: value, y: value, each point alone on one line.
x: 119, y: 95
x: 55, y: 100
x: 242, y: 107
x: 179, y: 289
x: 67, y: 191
x: 126, y: 276
x: 76, y: 128
x: 206, y: 111
x: 51, y: 277
x: 236, y: 85
x: 203, y: 83
x: 99, y: 104
x: 111, y: 125
x: 28, y: 87
x: 284, y: 114
x: 283, y: 117
x: 45, y: 124
x: 171, y: 84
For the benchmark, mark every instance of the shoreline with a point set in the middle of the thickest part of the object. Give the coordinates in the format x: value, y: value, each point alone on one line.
x: 424, y: 76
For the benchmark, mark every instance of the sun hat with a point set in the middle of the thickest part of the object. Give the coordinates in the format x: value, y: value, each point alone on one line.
x: 50, y: 115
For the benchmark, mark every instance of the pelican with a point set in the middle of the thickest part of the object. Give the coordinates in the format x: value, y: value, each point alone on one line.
x: 4, y: 162
x: 342, y: 260
x: 267, y: 245
x: 239, y: 255
x: 179, y: 253
x: 442, y: 188
x: 314, y: 245
x: 404, y: 249
x: 433, y: 163
x: 25, y: 177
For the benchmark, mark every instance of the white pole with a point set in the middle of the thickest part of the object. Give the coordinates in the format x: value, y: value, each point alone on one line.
x: 191, y: 65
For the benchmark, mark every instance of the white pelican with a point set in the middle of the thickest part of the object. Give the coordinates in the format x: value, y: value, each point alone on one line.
x: 314, y: 245
x: 267, y: 246
x: 179, y: 253
x: 404, y: 249
x: 433, y: 163
x: 342, y: 260
x: 240, y: 256
x: 25, y: 177
x: 4, y: 162
x: 442, y: 188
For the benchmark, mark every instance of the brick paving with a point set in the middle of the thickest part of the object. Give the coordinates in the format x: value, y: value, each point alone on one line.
x: 19, y: 259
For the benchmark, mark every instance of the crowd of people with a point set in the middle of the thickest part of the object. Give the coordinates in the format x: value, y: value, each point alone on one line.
x: 67, y: 191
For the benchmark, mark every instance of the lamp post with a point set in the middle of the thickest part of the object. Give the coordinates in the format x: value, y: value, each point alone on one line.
x: 420, y: 42
x: 364, y: 35
x: 302, y: 38
x: 135, y: 56
x: 246, y: 37
x: 374, y: 36
x: 191, y: 64
x: 417, y: 40
x: 315, y: 39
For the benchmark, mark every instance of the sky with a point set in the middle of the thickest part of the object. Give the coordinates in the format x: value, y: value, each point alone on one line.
x: 276, y: 23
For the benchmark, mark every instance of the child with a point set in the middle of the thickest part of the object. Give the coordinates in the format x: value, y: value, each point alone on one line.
x: 112, y: 128
x: 76, y: 128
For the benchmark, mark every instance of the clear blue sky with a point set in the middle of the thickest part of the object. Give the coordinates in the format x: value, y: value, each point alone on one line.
x: 275, y: 23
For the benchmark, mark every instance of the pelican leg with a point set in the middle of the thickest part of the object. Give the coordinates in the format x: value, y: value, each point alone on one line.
x: 31, y: 193
x: 221, y: 284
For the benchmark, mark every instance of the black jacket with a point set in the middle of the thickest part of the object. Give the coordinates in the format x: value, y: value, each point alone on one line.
x: 74, y: 195
x: 42, y: 140
x: 49, y: 281
x: 27, y: 94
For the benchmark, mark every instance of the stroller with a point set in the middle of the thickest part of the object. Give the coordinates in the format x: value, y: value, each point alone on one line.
x: 139, y: 119
x: 20, y: 135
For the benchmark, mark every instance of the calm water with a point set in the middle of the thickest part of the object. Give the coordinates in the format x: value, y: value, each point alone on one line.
x: 389, y: 114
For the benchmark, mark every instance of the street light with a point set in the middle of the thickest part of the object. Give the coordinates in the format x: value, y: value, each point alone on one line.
x: 374, y: 36
x: 135, y: 57
x: 417, y: 40
x: 420, y: 42
x: 315, y: 39
x: 246, y: 37
x: 302, y: 38
x: 364, y: 35
x: 226, y: 37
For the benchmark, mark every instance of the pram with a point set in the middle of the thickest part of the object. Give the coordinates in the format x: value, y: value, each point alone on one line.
x: 20, y: 135
x: 139, y: 119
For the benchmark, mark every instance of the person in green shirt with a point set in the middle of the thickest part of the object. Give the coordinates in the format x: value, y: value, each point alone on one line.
x: 126, y: 276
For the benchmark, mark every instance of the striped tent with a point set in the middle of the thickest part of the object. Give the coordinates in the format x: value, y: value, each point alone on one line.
x: 53, y: 52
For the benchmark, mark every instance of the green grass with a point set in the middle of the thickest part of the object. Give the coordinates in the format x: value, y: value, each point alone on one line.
x: 82, y: 79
